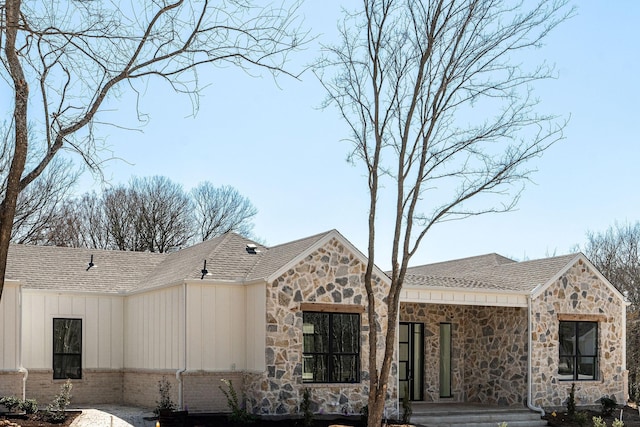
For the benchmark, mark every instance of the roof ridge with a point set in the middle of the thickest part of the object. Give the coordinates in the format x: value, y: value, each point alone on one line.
x: 318, y: 235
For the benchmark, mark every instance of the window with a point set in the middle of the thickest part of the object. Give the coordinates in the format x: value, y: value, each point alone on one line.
x: 578, y: 351
x: 331, y: 348
x: 67, y: 349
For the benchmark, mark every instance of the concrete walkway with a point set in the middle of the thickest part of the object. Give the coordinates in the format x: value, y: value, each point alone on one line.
x: 114, y: 416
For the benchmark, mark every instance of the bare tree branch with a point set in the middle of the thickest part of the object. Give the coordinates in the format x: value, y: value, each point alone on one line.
x: 438, y: 101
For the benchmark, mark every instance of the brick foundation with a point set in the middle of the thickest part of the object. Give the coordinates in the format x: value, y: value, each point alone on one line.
x: 96, y: 386
x: 11, y: 383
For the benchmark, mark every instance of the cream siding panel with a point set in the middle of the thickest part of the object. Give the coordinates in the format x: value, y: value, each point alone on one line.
x: 208, y: 298
x: 238, y: 330
x: 102, y: 345
x: 91, y: 333
x: 256, y: 327
x: 117, y: 333
x: 104, y: 333
x: 9, y: 326
x: 195, y: 329
x: 153, y: 334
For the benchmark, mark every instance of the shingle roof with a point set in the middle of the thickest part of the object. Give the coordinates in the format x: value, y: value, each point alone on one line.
x: 65, y: 269
x: 488, y: 272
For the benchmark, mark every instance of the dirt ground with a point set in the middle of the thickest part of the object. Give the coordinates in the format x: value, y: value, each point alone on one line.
x: 35, y: 420
x: 630, y: 417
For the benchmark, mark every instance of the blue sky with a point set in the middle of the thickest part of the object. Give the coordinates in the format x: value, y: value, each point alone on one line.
x: 272, y: 143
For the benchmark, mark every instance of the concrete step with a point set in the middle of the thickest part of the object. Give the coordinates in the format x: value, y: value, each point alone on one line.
x: 493, y: 418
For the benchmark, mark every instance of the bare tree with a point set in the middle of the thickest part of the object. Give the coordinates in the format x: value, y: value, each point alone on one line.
x: 616, y: 254
x: 218, y: 210
x: 74, y: 55
x: 441, y: 113
x: 164, y: 213
x: 41, y: 204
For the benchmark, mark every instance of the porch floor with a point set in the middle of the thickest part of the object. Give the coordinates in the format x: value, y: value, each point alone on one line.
x: 472, y: 414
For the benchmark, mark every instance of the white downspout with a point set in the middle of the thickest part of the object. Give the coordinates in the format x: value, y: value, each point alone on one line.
x: 182, y: 370
x: 21, y: 369
x: 530, y: 405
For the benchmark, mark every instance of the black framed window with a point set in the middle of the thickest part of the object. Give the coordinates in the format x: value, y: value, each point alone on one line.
x: 578, y: 351
x: 331, y: 347
x: 67, y: 349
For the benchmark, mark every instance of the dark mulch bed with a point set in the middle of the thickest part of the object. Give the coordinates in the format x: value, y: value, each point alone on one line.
x: 37, y: 419
x: 630, y: 418
x: 221, y: 420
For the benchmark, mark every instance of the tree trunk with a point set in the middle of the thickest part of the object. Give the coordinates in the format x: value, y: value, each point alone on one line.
x: 21, y: 97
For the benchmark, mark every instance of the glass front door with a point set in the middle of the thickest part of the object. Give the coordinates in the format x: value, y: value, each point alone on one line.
x: 411, y: 360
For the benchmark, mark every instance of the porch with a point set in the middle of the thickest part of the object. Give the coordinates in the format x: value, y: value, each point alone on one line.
x: 473, y: 415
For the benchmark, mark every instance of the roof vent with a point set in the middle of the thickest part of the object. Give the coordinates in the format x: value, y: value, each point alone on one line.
x: 252, y: 249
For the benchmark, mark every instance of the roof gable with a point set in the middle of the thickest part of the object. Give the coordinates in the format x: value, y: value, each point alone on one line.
x: 488, y: 272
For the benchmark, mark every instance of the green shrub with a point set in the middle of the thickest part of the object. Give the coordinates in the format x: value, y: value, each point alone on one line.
x: 581, y: 418
x: 165, y: 403
x: 30, y: 406
x: 608, y: 405
x: 10, y: 402
x: 597, y: 422
x: 56, y: 410
x: 239, y: 413
x: 617, y: 423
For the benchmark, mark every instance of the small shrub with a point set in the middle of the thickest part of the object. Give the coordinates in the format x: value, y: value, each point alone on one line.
x: 617, y: 423
x: 608, y: 405
x: 571, y: 401
x: 56, y: 410
x: 239, y: 413
x: 305, y: 407
x: 503, y: 424
x: 10, y: 402
x: 165, y: 403
x: 581, y: 418
x: 30, y: 406
x: 597, y: 422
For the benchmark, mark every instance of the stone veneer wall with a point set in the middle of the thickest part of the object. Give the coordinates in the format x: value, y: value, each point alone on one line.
x: 579, y: 294
x: 496, y: 347
x: 330, y: 275
x: 489, y: 351
x: 96, y: 386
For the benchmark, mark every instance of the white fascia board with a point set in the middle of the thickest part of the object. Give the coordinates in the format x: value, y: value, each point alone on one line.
x: 457, y: 296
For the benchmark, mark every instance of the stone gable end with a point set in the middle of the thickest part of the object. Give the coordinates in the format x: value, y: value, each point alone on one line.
x: 332, y: 276
x: 578, y: 295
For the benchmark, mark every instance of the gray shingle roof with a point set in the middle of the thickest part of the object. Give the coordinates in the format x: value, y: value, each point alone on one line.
x: 65, y: 269
x: 488, y: 272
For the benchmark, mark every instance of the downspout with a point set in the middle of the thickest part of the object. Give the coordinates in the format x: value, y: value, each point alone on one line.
x: 530, y: 405
x: 21, y: 369
x: 182, y: 370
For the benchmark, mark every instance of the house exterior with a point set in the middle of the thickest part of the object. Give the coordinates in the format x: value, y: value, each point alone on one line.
x: 279, y: 320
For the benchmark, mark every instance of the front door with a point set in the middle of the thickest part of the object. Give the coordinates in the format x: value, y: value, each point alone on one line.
x: 411, y: 360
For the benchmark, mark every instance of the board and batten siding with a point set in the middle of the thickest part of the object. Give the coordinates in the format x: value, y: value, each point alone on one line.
x: 225, y: 327
x: 9, y: 326
x: 102, y: 328
x: 256, y: 327
x: 155, y: 325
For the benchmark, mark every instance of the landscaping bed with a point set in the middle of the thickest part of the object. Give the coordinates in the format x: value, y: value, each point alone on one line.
x: 630, y: 417
x: 35, y: 420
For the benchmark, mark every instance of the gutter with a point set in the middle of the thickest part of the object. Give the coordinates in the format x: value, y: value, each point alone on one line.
x: 530, y: 405
x: 182, y: 370
x: 21, y: 369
